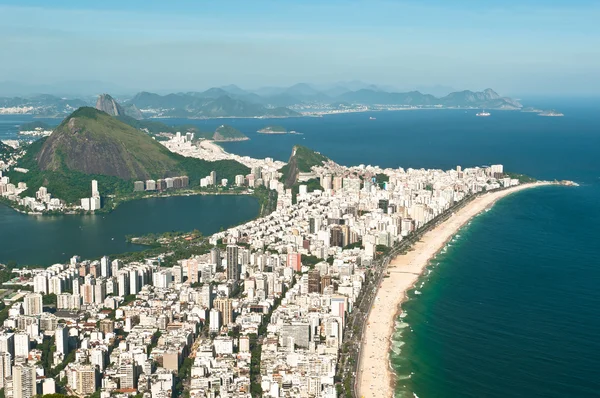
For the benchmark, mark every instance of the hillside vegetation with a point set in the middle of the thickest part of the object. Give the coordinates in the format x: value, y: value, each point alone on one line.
x: 301, y: 161
x: 228, y: 133
x: 91, y: 144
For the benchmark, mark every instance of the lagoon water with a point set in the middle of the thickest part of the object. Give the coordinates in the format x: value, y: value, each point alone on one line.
x: 511, y: 308
x: 45, y: 240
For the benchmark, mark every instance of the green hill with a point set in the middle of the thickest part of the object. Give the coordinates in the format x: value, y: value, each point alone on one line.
x: 90, y: 144
x: 301, y: 161
x: 93, y: 142
x: 228, y: 133
x: 6, y: 151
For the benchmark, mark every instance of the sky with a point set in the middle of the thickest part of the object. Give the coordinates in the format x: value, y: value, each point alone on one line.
x: 522, y: 47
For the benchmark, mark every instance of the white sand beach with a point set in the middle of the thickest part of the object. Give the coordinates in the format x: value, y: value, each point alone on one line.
x: 375, y: 378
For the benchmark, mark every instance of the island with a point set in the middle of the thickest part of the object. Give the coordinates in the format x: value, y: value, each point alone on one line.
x: 551, y: 113
x: 273, y: 130
x: 226, y: 133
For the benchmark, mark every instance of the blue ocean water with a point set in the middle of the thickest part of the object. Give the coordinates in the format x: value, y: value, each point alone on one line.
x: 9, y: 125
x: 511, y: 308
x: 545, y: 147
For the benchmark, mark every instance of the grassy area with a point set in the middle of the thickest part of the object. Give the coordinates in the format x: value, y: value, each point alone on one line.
x: 523, y: 179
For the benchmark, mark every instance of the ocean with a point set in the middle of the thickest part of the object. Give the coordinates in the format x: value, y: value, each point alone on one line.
x: 511, y: 308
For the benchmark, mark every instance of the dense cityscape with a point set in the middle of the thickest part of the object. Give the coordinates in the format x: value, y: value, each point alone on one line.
x: 264, y: 312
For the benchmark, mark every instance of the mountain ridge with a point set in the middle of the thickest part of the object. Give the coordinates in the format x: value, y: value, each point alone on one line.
x: 233, y: 101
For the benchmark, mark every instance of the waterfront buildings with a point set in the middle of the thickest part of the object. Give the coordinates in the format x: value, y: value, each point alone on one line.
x: 290, y: 280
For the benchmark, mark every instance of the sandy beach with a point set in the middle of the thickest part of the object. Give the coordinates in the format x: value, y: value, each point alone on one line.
x: 374, y: 376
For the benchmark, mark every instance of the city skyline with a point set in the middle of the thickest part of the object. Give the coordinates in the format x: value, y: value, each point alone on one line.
x: 538, y: 48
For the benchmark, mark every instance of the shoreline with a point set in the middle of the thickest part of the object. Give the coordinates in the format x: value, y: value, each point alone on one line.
x: 375, y: 372
x: 104, y: 210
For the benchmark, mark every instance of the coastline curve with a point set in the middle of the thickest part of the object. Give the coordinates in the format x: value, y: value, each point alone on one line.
x: 375, y: 377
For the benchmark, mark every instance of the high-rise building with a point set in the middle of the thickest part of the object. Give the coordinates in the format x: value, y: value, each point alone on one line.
x: 105, y: 267
x: 5, y: 368
x: 325, y: 282
x: 87, y: 292
x: 40, y: 284
x: 61, y: 339
x: 294, y: 261
x: 314, y: 281
x: 127, y: 372
x: 95, y: 191
x: 21, y: 345
x: 336, y: 236
x: 214, y: 320
x: 100, y: 291
x: 224, y: 305
x: 86, y: 380
x: 162, y: 279
x: 213, y: 177
x: 192, y: 271
x: 215, y: 256
x: 337, y: 183
x: 383, y: 204
x: 98, y: 358
x: 326, y: 182
x: 7, y: 343
x: 177, y: 273
x: 107, y: 326
x: 134, y: 282
x: 48, y: 386
x: 150, y: 185
x: 32, y: 304
x: 123, y: 282
x: 24, y: 381
x: 138, y: 186
x: 233, y: 265
x: 55, y: 285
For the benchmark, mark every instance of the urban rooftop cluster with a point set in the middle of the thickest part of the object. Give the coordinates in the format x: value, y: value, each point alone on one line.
x: 263, y: 313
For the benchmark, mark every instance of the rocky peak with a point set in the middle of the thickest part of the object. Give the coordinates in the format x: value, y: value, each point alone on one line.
x: 107, y: 104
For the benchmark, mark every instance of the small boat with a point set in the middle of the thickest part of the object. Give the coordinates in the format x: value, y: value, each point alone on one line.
x: 372, y: 118
x: 483, y: 114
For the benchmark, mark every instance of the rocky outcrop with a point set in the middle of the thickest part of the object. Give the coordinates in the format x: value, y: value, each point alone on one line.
x: 108, y: 104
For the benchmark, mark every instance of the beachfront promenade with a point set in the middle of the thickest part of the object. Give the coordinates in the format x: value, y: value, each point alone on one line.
x: 374, y: 378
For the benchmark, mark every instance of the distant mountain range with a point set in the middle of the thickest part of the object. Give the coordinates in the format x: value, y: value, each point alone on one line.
x: 232, y: 101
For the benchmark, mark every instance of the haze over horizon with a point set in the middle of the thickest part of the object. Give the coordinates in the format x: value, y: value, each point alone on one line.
x: 542, y: 48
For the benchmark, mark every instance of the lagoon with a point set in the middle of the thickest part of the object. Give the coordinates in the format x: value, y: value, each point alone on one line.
x: 46, y: 240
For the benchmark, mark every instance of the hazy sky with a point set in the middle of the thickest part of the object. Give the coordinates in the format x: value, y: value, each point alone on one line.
x: 541, y: 47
